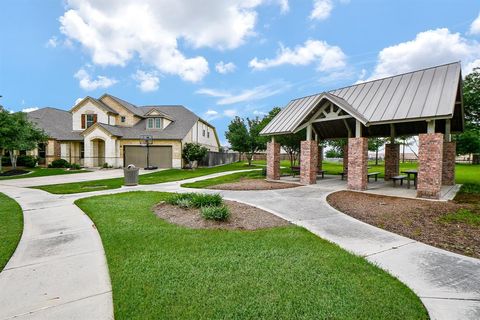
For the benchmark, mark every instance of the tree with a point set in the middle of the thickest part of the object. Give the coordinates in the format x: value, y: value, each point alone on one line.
x: 244, y: 136
x: 17, y: 133
x: 193, y: 152
x: 374, y: 144
x: 469, y: 143
x: 337, y: 145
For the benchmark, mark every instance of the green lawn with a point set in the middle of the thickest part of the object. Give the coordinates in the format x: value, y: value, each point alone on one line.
x: 162, y: 271
x: 150, y: 178
x: 11, y: 226
x: 42, y: 172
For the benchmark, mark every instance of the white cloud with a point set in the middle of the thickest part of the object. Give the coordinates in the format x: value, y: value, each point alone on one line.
x: 78, y: 100
x: 211, y: 114
x: 475, y: 26
x: 29, y: 109
x: 114, y: 32
x: 429, y: 48
x: 321, y: 9
x: 230, y: 113
x: 225, y: 68
x: 147, y: 81
x: 87, y: 83
x: 52, y: 42
x: 326, y: 57
x: 259, y: 113
x: 256, y: 93
x: 284, y: 7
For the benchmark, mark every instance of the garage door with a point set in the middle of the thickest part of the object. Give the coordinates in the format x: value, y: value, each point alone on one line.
x: 160, y: 156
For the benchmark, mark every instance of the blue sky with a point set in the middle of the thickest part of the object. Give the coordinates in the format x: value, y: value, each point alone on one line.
x: 221, y: 58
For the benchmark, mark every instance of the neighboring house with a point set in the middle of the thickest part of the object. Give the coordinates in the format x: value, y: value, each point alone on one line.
x: 110, y: 130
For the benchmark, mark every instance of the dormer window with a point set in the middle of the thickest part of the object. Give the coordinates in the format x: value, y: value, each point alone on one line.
x: 154, y: 123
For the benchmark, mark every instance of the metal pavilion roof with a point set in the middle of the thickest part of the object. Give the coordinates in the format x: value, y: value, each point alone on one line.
x: 419, y: 95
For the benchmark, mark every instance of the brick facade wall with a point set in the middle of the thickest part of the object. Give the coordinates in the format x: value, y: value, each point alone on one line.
x: 448, y: 167
x: 345, y: 158
x: 357, y: 163
x: 430, y: 161
x: 308, y: 162
x: 273, y: 160
x: 392, y: 160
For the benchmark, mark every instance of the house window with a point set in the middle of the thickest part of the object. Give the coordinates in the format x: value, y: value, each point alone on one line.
x: 90, y: 120
x: 208, y: 134
x: 122, y: 119
x: 82, y: 150
x: 154, y: 123
x: 203, y: 132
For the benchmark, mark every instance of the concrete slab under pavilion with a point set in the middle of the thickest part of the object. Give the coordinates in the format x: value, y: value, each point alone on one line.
x: 427, y: 103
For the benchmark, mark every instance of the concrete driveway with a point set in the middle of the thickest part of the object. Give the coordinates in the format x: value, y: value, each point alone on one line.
x: 447, y: 283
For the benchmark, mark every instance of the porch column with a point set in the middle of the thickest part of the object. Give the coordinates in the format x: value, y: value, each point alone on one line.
x: 430, y: 163
x: 308, y: 162
x: 320, y: 156
x: 88, y: 154
x: 448, y: 167
x: 392, y: 160
x: 345, y: 158
x: 357, y: 163
x: 273, y: 160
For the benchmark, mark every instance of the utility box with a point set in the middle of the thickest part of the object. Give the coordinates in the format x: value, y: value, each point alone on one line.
x: 130, y: 175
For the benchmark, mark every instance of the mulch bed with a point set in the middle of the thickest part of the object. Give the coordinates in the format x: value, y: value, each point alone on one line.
x: 15, y: 172
x: 415, y: 219
x: 253, y: 184
x: 242, y: 217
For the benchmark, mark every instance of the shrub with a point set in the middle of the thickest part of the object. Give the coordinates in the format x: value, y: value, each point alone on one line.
x: 59, y: 163
x: 184, y: 203
x: 193, y: 152
x: 27, y: 161
x: 176, y: 197
x: 199, y: 200
x: 215, y: 213
x: 6, y: 161
x: 105, y: 165
x: 75, y: 166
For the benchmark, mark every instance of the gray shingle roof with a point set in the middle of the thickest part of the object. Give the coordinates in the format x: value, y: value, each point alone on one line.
x: 55, y: 122
x: 422, y: 94
x: 127, y: 105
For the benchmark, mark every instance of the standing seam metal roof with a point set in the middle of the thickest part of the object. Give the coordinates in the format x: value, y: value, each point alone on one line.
x: 427, y: 93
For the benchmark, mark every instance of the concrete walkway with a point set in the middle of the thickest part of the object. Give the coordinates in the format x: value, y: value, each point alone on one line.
x: 69, y: 178
x: 447, y: 283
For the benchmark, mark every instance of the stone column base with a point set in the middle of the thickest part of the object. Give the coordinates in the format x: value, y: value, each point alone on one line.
x: 273, y: 161
x: 357, y: 163
x: 430, y: 161
x: 308, y: 162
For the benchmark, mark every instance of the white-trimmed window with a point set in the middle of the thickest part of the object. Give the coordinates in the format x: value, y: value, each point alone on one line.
x: 90, y: 119
x: 154, y: 123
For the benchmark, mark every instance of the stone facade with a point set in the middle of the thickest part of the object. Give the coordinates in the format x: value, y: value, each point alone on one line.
x: 430, y: 162
x: 357, y: 163
x: 320, y: 157
x: 345, y: 158
x: 448, y: 167
x: 273, y: 160
x: 308, y: 162
x: 392, y: 160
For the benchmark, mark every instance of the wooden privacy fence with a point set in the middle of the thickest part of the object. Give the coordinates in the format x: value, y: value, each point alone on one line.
x: 218, y: 158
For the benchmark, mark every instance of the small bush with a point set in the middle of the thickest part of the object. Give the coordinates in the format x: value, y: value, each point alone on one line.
x: 6, y: 161
x: 184, y: 203
x: 27, y: 161
x: 206, y: 200
x: 59, y: 163
x: 75, y: 166
x: 215, y: 213
x: 176, y: 197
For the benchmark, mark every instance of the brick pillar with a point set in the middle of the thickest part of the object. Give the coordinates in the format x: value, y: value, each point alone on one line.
x: 273, y: 160
x: 357, y: 163
x: 392, y: 160
x: 448, y: 167
x: 430, y: 160
x: 308, y: 162
x: 320, y: 157
x: 345, y: 157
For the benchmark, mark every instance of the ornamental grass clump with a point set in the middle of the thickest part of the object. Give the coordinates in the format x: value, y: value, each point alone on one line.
x: 206, y: 200
x: 221, y: 213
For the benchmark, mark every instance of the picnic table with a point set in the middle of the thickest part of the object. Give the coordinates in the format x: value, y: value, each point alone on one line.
x: 414, y: 173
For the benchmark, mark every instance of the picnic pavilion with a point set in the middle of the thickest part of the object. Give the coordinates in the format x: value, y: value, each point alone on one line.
x: 427, y: 103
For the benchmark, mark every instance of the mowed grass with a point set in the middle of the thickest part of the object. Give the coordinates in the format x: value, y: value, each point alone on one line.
x: 11, y: 227
x: 41, y: 172
x: 162, y: 271
x: 150, y: 178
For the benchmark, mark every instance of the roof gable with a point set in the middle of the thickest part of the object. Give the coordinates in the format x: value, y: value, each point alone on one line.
x: 94, y: 101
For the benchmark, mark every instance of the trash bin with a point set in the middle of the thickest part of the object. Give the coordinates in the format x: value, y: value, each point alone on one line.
x: 131, y: 175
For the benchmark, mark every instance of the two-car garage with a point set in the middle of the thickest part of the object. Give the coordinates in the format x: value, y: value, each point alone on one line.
x: 160, y: 156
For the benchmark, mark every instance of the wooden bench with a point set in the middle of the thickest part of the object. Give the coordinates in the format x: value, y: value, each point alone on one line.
x: 374, y: 174
x: 296, y: 170
x: 398, y: 178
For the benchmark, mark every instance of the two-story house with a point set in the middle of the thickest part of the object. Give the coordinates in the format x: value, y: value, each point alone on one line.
x: 112, y: 131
